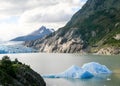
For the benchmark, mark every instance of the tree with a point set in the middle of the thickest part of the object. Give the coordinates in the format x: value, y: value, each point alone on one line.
x: 6, y: 62
x: 6, y: 65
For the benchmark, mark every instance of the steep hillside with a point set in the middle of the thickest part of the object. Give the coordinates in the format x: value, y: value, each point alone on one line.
x: 41, y: 32
x: 14, y: 73
x: 96, y: 25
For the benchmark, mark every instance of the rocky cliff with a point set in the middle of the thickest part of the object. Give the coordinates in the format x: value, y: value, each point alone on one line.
x: 95, y: 25
x: 14, y: 73
x: 58, y: 43
x: 109, y: 51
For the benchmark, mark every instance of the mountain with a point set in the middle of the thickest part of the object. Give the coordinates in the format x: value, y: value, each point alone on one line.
x: 96, y: 25
x: 41, y: 32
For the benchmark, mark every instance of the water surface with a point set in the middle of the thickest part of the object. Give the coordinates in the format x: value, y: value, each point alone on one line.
x: 55, y: 63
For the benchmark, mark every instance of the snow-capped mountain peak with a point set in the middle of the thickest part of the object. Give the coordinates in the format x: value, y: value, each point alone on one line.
x: 41, y: 32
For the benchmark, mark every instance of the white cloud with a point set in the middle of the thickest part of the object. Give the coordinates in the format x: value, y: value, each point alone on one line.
x: 31, y: 14
x: 17, y: 7
x: 57, y: 13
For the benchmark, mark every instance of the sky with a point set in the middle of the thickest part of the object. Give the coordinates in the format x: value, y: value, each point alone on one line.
x: 21, y: 17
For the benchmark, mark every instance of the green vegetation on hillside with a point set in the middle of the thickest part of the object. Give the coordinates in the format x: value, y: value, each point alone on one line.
x: 101, y: 24
x: 14, y: 73
x: 98, y: 22
x: 8, y: 70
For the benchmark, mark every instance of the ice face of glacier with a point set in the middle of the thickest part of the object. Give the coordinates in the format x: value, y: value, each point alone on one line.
x: 87, y: 71
x: 15, y: 49
x: 96, y: 68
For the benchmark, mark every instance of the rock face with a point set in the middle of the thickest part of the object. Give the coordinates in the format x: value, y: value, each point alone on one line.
x: 95, y: 24
x: 14, y: 73
x: 117, y: 37
x: 58, y: 43
x: 109, y: 51
x: 29, y: 77
x: 41, y: 32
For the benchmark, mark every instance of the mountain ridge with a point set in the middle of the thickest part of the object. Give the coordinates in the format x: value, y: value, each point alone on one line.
x: 96, y: 23
x: 41, y: 32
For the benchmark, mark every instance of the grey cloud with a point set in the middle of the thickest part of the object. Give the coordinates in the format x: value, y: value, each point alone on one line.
x: 19, y: 6
x: 49, y: 18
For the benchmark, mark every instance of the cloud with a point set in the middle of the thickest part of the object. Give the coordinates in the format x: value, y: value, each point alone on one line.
x: 60, y: 12
x: 6, y: 33
x: 57, y: 13
x: 19, y: 17
x: 16, y: 7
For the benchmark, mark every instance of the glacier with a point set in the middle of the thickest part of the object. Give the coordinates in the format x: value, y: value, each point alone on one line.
x: 14, y: 47
x: 87, y: 71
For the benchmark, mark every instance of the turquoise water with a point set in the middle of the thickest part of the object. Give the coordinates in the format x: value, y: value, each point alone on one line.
x: 55, y: 63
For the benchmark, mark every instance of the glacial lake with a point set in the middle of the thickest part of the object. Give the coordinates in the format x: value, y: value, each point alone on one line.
x: 55, y: 63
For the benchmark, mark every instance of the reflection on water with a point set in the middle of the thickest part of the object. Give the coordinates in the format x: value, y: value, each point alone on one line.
x: 55, y: 63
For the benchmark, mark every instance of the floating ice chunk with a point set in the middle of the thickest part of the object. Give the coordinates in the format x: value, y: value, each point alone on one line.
x: 50, y: 76
x: 86, y: 75
x: 76, y: 72
x: 72, y: 72
x: 87, y: 71
x: 96, y: 68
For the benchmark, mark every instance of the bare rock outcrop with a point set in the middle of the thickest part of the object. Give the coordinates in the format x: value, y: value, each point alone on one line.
x: 109, y: 51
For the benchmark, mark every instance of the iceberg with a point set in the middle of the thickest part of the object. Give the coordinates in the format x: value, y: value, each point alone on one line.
x: 87, y: 71
x: 76, y: 72
x: 96, y: 68
x: 72, y: 72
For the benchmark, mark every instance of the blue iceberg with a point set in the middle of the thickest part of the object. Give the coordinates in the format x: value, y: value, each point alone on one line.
x: 96, y: 68
x: 72, y: 72
x: 87, y: 71
x: 76, y: 72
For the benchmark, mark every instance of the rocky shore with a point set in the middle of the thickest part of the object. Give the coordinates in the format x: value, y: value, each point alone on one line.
x: 109, y: 51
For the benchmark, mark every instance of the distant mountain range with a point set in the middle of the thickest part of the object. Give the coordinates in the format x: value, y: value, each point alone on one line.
x: 95, y: 26
x: 40, y: 33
